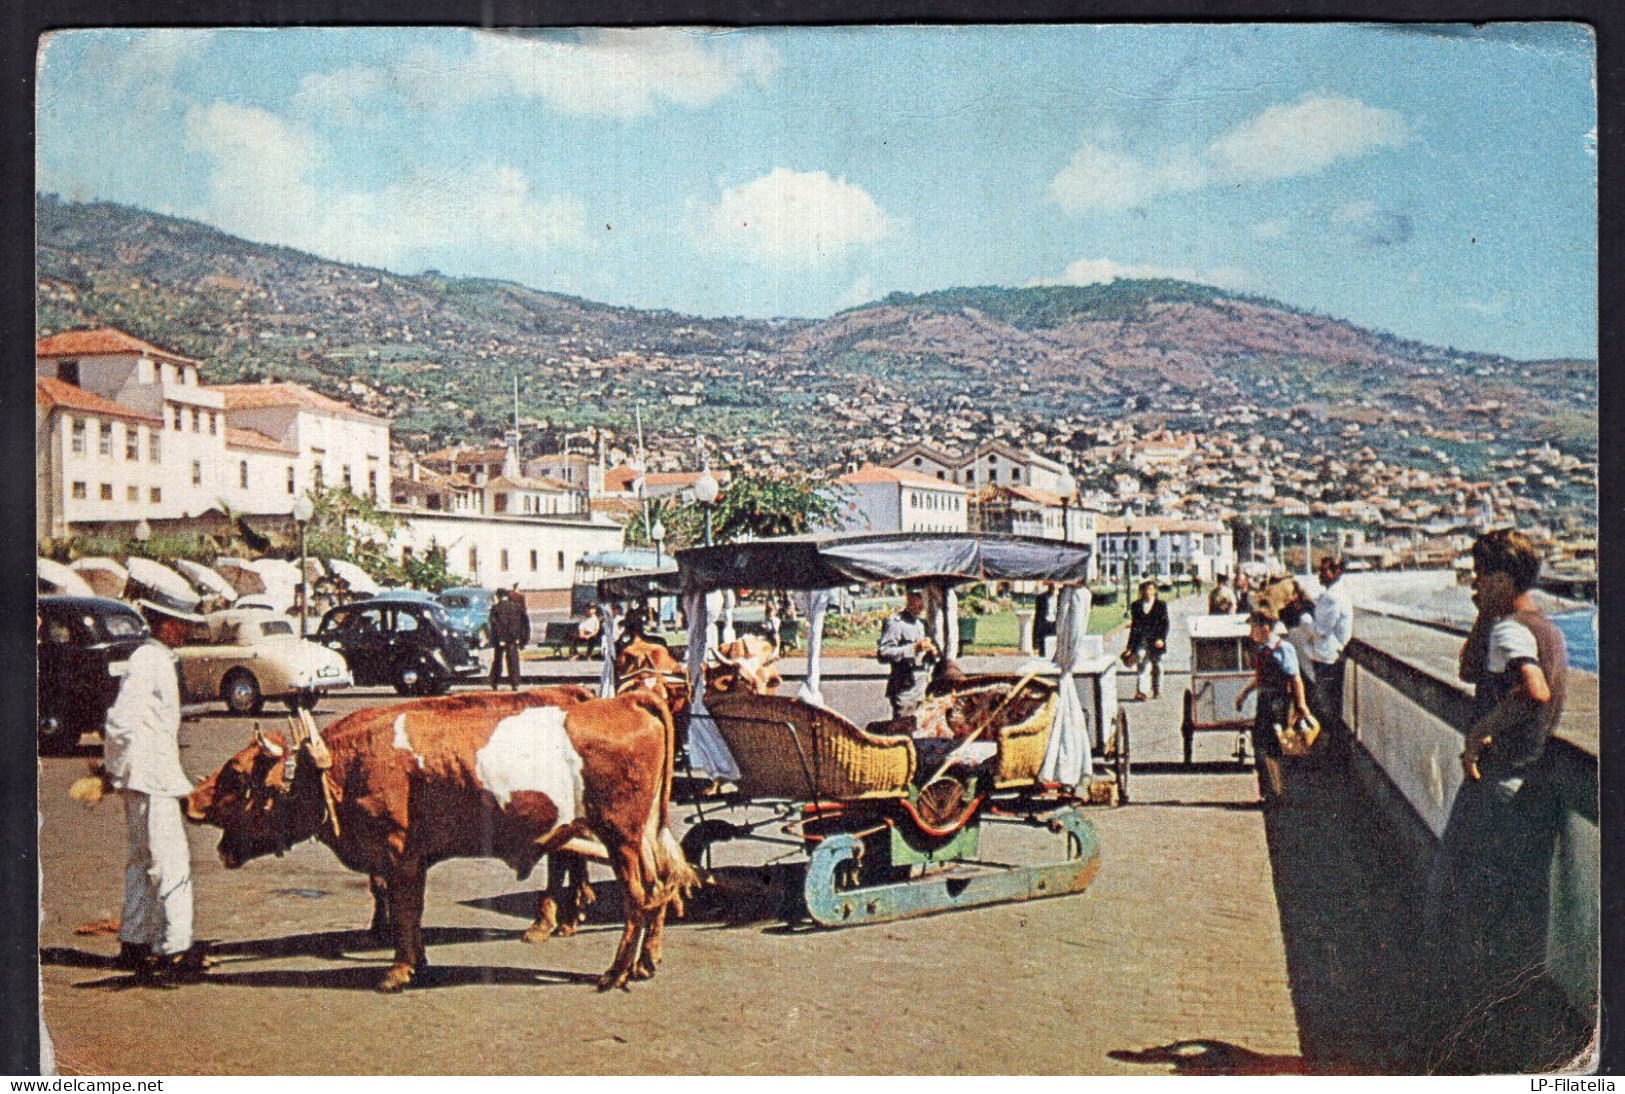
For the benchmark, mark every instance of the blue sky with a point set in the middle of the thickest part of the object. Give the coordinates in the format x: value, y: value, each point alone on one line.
x: 1439, y: 184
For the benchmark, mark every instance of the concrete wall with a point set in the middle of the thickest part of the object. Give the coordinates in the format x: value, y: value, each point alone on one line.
x: 1408, y: 714
x: 474, y: 548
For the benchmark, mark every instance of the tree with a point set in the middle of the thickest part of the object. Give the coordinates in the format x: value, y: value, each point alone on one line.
x: 346, y: 525
x: 761, y: 506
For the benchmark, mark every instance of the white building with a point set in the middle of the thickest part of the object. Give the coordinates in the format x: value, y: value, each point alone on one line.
x: 335, y: 445
x: 888, y: 499
x: 993, y: 463
x: 1163, y: 547
x: 537, y: 553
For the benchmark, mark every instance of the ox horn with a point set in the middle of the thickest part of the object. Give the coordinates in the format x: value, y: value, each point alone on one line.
x: 313, y: 739
x: 266, y: 743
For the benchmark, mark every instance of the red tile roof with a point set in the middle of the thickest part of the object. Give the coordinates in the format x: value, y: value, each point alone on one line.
x: 870, y: 474
x: 285, y: 393
x: 51, y: 392
x: 101, y: 342
x: 253, y: 438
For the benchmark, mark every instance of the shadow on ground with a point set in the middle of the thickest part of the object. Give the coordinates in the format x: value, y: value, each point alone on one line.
x: 1205, y: 1057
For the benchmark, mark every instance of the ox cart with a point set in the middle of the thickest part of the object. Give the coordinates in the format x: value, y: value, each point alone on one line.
x: 890, y: 815
x: 1221, y: 666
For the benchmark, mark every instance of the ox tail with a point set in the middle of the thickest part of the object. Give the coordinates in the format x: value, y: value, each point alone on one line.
x: 666, y: 873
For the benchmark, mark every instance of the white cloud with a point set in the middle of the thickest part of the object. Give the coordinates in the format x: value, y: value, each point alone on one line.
x: 1285, y: 140
x: 791, y: 219
x: 1270, y: 229
x: 261, y: 187
x: 604, y: 73
x: 1305, y: 137
x: 1103, y: 271
x: 861, y: 291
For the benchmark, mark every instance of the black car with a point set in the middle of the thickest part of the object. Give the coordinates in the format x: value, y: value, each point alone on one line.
x: 81, y: 639
x: 410, y: 644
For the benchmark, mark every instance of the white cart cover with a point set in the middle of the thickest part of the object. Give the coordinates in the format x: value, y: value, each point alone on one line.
x: 1066, y: 759
x: 707, y: 751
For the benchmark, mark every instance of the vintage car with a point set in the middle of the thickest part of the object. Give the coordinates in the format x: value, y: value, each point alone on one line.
x: 84, y: 642
x: 244, y: 657
x: 470, y: 611
x: 408, y: 643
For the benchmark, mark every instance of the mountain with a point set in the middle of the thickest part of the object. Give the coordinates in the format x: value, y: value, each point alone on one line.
x: 437, y: 353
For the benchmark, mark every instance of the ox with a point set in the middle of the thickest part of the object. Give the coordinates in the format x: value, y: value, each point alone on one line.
x: 745, y: 664
x: 393, y: 793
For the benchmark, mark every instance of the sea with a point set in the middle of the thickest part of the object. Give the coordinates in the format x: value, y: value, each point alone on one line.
x: 1580, y: 632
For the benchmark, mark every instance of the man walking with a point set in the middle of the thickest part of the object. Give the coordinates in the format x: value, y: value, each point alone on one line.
x: 1330, y: 629
x: 1220, y: 601
x: 905, y: 646
x: 141, y: 755
x: 510, y: 630
x: 1148, y: 638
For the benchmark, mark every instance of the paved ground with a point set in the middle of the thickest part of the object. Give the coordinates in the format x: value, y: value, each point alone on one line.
x: 1210, y: 940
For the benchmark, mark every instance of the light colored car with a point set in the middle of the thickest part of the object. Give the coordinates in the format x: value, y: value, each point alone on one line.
x: 244, y: 657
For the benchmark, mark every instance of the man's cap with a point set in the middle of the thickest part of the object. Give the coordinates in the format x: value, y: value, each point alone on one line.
x: 155, y: 612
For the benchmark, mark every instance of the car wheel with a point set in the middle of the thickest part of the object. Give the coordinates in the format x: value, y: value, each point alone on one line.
x: 408, y: 680
x: 241, y: 692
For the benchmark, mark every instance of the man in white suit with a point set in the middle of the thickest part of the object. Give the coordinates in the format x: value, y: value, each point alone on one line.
x: 142, y: 756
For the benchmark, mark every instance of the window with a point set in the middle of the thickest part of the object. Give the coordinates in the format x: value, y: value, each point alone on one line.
x: 405, y: 621
x: 78, y: 433
x: 107, y: 491
x: 197, y: 420
x: 132, y: 495
x: 291, y: 486
x: 499, y: 503
x: 242, y: 474
x: 105, y: 444
x: 214, y: 423
x: 79, y: 492
x: 179, y: 410
x: 533, y: 560
x: 504, y: 560
x: 155, y: 495
x: 154, y: 447
x: 372, y: 483
x: 132, y: 442
x: 474, y: 560
x: 561, y: 561
x: 349, y: 483
x: 197, y: 472
x: 318, y: 477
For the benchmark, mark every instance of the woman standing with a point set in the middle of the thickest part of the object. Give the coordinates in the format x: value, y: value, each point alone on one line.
x: 1281, y: 699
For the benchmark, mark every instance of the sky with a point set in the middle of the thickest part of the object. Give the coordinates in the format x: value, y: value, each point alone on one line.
x: 1437, y: 182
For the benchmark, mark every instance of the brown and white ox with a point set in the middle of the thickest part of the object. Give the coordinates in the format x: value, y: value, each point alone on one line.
x: 394, y: 790
x: 746, y: 665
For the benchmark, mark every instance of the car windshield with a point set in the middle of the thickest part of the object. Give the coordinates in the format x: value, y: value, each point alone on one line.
x: 434, y: 613
x: 458, y: 601
x: 271, y: 627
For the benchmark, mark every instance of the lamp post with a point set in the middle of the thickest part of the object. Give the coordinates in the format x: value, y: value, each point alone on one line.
x: 303, y: 510
x: 706, y: 490
x: 1128, y: 551
x: 1067, y: 485
x: 658, y: 534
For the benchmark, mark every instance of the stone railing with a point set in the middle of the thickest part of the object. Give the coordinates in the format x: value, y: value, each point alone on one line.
x: 1408, y: 712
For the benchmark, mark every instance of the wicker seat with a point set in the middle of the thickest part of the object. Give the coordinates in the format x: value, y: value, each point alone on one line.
x: 789, y: 749
x: 1020, y: 730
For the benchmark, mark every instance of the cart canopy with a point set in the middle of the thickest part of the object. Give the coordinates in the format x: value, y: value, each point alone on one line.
x: 639, y: 584
x: 824, y: 562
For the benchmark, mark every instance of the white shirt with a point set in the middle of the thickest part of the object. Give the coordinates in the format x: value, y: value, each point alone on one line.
x: 142, y: 749
x: 1333, y: 624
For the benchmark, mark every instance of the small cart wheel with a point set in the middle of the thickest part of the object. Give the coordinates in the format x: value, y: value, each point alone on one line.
x: 1188, y: 726
x: 1120, y: 739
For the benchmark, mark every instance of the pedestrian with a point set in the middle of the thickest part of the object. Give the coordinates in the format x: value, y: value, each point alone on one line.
x: 910, y: 652
x: 510, y: 632
x: 588, y: 632
x: 142, y: 761
x: 1148, y: 639
x: 1221, y: 601
x: 1044, y: 620
x: 1281, y: 700
x: 1488, y: 889
x: 1244, y: 594
x: 770, y: 622
x: 1330, y: 628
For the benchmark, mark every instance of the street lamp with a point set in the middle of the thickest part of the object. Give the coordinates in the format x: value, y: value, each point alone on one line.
x: 1067, y: 486
x: 303, y: 510
x: 706, y: 489
x: 658, y: 534
x: 1128, y: 550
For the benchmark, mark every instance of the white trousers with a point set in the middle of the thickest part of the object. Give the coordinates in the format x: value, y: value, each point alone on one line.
x: 157, y: 875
